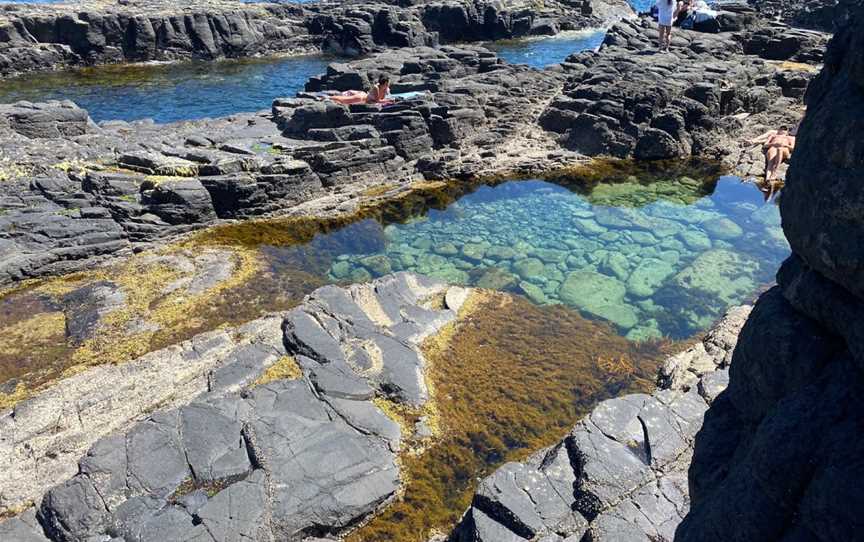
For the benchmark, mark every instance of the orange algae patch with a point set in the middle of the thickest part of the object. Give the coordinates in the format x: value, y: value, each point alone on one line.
x: 510, y: 378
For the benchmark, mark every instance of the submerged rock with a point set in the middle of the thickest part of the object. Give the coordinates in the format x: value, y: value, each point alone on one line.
x: 598, y: 295
x: 648, y: 276
x: 719, y: 273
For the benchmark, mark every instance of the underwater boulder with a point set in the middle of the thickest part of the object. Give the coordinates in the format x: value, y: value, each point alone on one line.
x: 600, y: 296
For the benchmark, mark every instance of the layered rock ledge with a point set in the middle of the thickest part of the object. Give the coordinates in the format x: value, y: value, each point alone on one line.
x: 621, y: 473
x: 40, y: 37
x: 268, y: 431
x: 75, y: 192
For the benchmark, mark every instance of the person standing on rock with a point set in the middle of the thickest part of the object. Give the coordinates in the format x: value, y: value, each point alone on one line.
x: 666, y: 11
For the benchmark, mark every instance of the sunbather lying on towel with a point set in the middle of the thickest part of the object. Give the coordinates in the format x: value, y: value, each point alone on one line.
x: 378, y: 94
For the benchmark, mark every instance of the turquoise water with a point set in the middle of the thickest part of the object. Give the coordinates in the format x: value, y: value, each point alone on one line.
x: 661, y: 260
x: 542, y: 52
x: 170, y: 92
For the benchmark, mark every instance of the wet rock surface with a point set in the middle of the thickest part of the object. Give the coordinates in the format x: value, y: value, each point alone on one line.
x: 621, y: 473
x: 36, y: 38
x: 228, y: 453
x: 778, y: 457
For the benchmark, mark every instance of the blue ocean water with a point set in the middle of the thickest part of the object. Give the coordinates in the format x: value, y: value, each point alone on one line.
x: 541, y: 52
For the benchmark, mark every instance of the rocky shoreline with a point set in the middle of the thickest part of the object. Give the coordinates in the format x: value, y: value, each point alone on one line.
x: 74, y: 192
x: 88, y: 32
x: 284, y: 428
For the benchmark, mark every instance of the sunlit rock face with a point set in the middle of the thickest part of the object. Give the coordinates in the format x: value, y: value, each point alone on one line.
x: 778, y: 457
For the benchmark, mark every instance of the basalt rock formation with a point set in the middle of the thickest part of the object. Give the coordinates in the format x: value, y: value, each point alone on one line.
x: 825, y: 15
x: 74, y: 192
x: 36, y: 38
x: 631, y: 101
x: 780, y: 456
x: 206, y: 447
x: 621, y: 473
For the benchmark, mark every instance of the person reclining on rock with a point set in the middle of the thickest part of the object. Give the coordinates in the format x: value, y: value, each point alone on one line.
x: 777, y: 148
x: 378, y: 94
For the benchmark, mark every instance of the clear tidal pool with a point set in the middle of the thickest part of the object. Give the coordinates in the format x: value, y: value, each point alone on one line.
x: 601, y: 256
x: 659, y: 260
x: 545, y: 51
x: 194, y: 90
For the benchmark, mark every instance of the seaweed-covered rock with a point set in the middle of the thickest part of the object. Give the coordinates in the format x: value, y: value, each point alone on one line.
x: 231, y: 449
x: 620, y: 474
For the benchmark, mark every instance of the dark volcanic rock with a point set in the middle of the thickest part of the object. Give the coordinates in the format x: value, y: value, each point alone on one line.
x: 825, y: 15
x: 779, y: 457
x: 816, y: 192
x: 629, y: 100
x: 45, y: 120
x: 34, y: 38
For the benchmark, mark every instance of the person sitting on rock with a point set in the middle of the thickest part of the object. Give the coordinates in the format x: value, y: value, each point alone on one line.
x: 378, y: 94
x: 666, y: 11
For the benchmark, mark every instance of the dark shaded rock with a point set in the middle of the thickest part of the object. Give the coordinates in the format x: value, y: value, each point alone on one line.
x: 46, y: 120
x: 776, y: 331
x: 182, y: 201
x: 778, y: 455
x: 821, y: 185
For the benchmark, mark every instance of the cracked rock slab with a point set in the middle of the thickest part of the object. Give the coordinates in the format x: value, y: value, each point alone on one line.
x: 621, y: 473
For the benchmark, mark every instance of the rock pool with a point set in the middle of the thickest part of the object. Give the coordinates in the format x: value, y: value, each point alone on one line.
x: 544, y: 51
x: 660, y: 252
x: 659, y: 260
x: 170, y: 92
